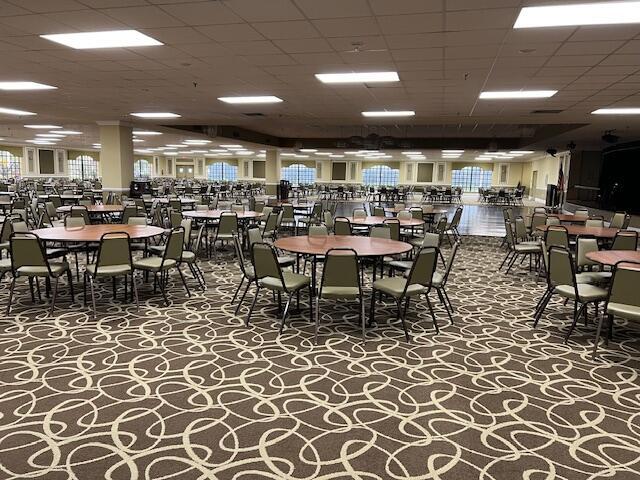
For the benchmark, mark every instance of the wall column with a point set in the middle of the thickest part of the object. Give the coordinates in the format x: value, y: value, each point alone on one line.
x: 116, y: 156
x: 272, y: 171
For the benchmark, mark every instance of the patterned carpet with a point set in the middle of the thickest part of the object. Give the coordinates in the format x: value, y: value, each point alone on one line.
x: 188, y: 392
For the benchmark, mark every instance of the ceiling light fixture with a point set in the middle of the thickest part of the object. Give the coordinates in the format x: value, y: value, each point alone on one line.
x: 248, y: 100
x: 146, y: 132
x: 601, y: 13
x: 231, y: 146
x: 309, y: 150
x: 616, y: 111
x: 521, y: 152
x: 43, y: 127
x: 13, y: 111
x: 156, y: 115
x: 353, y: 77
x: 411, y: 153
x: 50, y: 135
x: 68, y: 132
x: 517, y: 94
x: 452, y: 151
x: 390, y: 113
x: 11, y: 86
x: 105, y: 39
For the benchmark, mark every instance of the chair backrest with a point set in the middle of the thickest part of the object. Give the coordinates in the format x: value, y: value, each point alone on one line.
x: 328, y: 219
x: 55, y: 199
x: 81, y: 211
x: 341, y: 269
x: 174, y: 246
x: 27, y: 251
x: 141, y: 220
x: 237, y: 208
x: 416, y: 212
x: 423, y: 267
x: 394, y: 227
x: 585, y: 245
x: 51, y: 209
x: 259, y: 207
x: 195, y: 247
x: 624, y: 284
x: 560, y: 269
x: 551, y: 220
x: 85, y: 202
x: 510, y: 234
x: 625, y: 240
x: 271, y: 223
x: 507, y: 214
x: 537, y: 220
x: 254, y: 236
x: 175, y: 218
x: 266, y: 211
x: 581, y: 212
x: 237, y: 245
x: 556, y: 236
x: 521, y: 229
x: 129, y: 211
x: 287, y: 212
x: 380, y: 231
x: 431, y: 240
x: 359, y: 213
x: 316, y: 211
x: 115, y: 249
x: 202, y: 208
x: 74, y: 222
x: 175, y: 204
x: 186, y: 224
x: 318, y: 231
x: 441, y: 226
x: 455, y: 221
x: 341, y: 226
x: 594, y: 222
x: 450, y: 260
x: 378, y: 211
x: 617, y: 221
x: 265, y: 262
x: 6, y: 231
x: 406, y: 215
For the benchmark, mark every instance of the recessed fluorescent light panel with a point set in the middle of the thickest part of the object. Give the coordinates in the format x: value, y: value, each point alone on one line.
x: 43, y: 127
x: 9, y: 86
x: 107, y: 39
x: 601, y: 13
x: 254, y: 99
x: 390, y: 113
x: 13, y: 111
x: 146, y: 132
x: 518, y: 94
x: 68, y: 132
x: 617, y: 111
x: 364, y: 77
x: 155, y: 115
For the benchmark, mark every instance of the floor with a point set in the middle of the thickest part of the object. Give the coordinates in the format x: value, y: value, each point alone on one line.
x: 189, y: 392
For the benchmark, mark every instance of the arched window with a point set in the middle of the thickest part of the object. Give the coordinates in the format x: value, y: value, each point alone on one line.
x: 9, y: 165
x: 222, y: 171
x: 141, y: 168
x: 471, y: 178
x: 298, y: 174
x: 83, y: 167
x: 380, y: 175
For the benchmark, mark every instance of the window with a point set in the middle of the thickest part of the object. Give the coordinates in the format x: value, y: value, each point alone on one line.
x: 222, y: 171
x: 471, y: 178
x: 141, y: 169
x: 380, y: 175
x: 298, y: 174
x: 83, y: 167
x: 9, y: 165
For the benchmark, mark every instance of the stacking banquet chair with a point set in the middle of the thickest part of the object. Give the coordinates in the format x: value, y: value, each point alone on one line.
x: 594, y: 222
x: 516, y: 250
x: 29, y: 259
x: 452, y: 228
x: 620, y: 220
x: 340, y: 280
x: 270, y: 276
x: 328, y: 220
x: 254, y: 236
x: 227, y: 227
x: 561, y: 280
x: 622, y: 300
x: 439, y: 282
x: 190, y: 258
x: 160, y: 265
x: 316, y: 213
x: 288, y: 216
x: 81, y: 211
x: 556, y: 236
x: 378, y: 211
x: 537, y: 220
x: 341, y: 226
x: 625, y: 240
x: 418, y: 282
x: 113, y: 260
x: 359, y: 229
x: 586, y: 272
x: 270, y: 228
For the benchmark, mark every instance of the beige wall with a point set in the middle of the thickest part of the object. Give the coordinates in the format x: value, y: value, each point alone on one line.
x: 547, y: 168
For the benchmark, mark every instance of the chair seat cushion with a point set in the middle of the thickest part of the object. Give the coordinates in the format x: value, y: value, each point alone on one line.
x: 109, y: 270
x: 153, y: 263
x: 340, y: 292
x: 5, y: 264
x: 528, y: 248
x: 188, y: 256
x: 630, y: 312
x: 4, y: 246
x: 57, y: 269
x: 593, y: 277
x: 292, y: 282
x: 437, y: 279
x: 586, y: 292
x: 394, y: 286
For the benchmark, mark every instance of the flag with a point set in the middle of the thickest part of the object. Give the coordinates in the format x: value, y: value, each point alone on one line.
x: 560, y: 179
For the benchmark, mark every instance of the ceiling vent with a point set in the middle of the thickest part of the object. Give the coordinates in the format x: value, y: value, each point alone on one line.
x: 546, y: 112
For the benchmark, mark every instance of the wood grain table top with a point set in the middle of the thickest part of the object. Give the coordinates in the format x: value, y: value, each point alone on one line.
x: 409, y: 222
x: 93, y: 233
x: 364, y: 246
x: 569, y: 217
x: 611, y: 257
x: 575, y: 230
x: 94, y: 209
x: 215, y: 214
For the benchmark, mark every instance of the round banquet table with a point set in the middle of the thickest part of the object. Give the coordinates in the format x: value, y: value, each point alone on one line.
x: 215, y: 214
x: 370, y: 221
x: 320, y: 245
x: 95, y: 209
x: 93, y: 233
x: 611, y: 257
x: 575, y: 230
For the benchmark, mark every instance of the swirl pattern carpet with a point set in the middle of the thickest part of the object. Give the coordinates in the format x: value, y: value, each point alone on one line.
x: 188, y: 392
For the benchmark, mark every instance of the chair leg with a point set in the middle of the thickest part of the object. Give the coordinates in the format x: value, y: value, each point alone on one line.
x: 400, y: 317
x: 513, y: 260
x: 162, y: 288
x: 244, y: 294
x: 253, y: 304
x: 372, y: 312
x: 545, y: 301
x: 184, y: 281
x: 433, y: 315
x: 284, y: 315
x: 597, y: 340
x: 33, y: 297
x: 11, y: 288
x: 71, y: 290
x: 55, y: 294
x: 235, y: 295
x: 364, y: 337
x: 576, y: 315
x: 446, y: 296
x: 134, y: 289
x: 444, y: 302
x: 507, y: 257
x: 315, y: 341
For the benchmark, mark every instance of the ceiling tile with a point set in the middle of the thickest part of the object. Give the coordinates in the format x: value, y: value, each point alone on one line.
x: 333, y: 8
x: 587, y: 48
x: 261, y: 11
x: 143, y: 17
x: 303, y: 45
x: 403, y: 24
x: 202, y: 13
x: 252, y: 48
x: 481, y: 19
x: 232, y: 32
x: 401, y: 7
x: 341, y: 27
x: 287, y: 30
